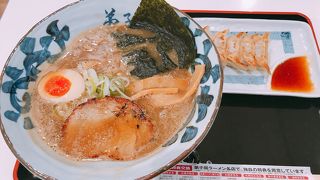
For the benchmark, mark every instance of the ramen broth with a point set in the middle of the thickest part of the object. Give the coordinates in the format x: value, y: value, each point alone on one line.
x: 97, y: 49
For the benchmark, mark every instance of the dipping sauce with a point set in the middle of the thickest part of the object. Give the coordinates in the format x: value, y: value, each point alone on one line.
x: 292, y: 75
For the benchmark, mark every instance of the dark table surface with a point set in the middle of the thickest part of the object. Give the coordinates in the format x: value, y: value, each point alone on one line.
x: 264, y: 130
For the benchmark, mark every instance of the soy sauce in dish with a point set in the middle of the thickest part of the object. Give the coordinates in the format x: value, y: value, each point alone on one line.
x: 292, y: 75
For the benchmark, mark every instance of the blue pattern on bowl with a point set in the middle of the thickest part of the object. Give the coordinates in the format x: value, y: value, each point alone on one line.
x: 33, y: 59
x: 110, y: 17
x: 189, y: 134
x: 203, y: 100
x: 197, y: 32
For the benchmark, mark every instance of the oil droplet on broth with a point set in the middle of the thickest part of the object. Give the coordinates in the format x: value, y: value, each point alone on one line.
x: 50, y: 127
x: 292, y: 75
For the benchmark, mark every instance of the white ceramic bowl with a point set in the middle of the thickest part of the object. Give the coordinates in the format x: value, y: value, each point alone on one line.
x: 46, y: 40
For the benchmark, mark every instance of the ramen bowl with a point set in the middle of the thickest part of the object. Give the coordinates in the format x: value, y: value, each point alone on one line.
x: 46, y: 41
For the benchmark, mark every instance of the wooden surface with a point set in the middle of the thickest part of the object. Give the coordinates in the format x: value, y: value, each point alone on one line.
x: 3, y: 4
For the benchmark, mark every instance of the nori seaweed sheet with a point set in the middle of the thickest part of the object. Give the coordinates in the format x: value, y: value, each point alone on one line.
x: 125, y: 40
x: 144, y: 65
x: 159, y: 13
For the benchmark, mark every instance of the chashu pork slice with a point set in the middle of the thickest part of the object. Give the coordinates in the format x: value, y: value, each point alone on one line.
x: 110, y: 127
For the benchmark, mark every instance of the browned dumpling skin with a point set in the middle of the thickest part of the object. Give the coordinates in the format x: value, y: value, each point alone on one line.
x: 111, y: 127
x: 242, y: 51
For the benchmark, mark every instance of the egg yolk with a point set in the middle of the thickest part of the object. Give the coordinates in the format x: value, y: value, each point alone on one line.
x: 57, y: 86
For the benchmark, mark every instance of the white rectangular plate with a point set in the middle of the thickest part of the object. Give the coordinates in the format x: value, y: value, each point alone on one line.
x: 287, y: 39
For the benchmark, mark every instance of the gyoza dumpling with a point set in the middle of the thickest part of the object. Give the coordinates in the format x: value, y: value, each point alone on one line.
x: 261, y: 51
x: 242, y: 51
x: 233, y: 51
x: 219, y: 40
x: 247, y: 52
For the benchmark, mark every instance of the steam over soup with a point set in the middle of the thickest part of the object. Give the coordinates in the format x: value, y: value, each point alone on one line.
x: 113, y: 94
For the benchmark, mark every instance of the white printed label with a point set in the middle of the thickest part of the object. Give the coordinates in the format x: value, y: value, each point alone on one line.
x: 230, y: 171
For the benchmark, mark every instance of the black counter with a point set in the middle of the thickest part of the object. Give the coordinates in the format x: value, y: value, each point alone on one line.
x: 266, y: 130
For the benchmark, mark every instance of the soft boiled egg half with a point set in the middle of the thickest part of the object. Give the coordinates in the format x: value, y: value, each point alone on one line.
x: 61, y: 86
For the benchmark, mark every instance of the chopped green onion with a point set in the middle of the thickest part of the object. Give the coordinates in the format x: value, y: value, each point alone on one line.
x: 100, y: 86
x: 106, y: 88
x: 93, y: 74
